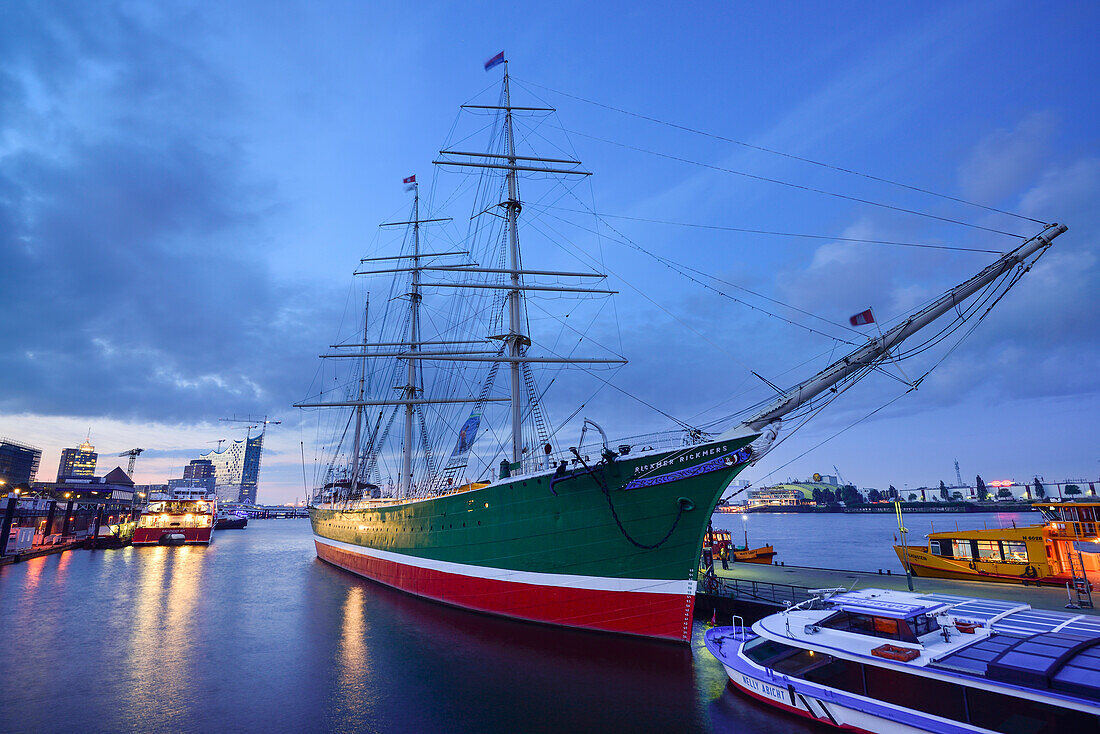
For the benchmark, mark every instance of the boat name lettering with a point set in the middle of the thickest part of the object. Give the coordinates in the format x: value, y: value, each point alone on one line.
x: 724, y: 461
x: 761, y: 687
x: 681, y: 459
x: 1033, y: 537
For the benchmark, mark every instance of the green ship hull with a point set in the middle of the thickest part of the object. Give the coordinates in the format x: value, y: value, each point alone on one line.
x: 612, y: 547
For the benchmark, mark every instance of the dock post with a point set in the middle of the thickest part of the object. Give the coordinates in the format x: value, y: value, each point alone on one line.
x: 49, y: 519
x: 5, y: 528
x: 65, y: 524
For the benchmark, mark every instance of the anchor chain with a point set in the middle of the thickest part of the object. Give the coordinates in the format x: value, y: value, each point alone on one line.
x: 682, y: 504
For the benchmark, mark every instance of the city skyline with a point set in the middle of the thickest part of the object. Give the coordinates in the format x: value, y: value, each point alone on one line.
x: 191, y: 188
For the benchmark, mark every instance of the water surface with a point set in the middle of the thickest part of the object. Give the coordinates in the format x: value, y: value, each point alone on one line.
x: 253, y: 633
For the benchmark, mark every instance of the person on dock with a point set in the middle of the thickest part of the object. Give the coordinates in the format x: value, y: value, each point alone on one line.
x: 724, y: 554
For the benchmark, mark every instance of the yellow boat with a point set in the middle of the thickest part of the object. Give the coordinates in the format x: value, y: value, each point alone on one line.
x: 1065, y: 546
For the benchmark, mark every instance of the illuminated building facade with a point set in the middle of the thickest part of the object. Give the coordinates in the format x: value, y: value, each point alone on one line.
x: 18, y: 462
x: 78, y: 462
x: 237, y: 469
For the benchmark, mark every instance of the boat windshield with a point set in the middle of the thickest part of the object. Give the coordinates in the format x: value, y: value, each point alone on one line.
x: 907, y: 630
x: 784, y: 658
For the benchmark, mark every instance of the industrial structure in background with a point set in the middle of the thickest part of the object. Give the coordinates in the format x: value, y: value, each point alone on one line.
x: 18, y: 463
x: 236, y: 468
x: 78, y: 462
x: 133, y: 454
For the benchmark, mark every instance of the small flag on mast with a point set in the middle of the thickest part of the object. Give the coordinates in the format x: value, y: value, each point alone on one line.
x: 410, y: 182
x: 498, y: 59
x: 866, y: 317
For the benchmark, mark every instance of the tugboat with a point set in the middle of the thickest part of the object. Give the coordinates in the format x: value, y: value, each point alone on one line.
x: 183, y: 517
x: 718, y: 539
x: 892, y: 661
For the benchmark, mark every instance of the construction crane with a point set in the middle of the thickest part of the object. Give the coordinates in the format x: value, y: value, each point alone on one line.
x: 133, y: 454
x: 958, y: 475
x: 839, y: 479
x: 252, y: 423
x: 220, y: 441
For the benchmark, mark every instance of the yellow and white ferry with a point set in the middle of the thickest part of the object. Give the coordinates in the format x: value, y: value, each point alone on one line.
x: 1064, y: 548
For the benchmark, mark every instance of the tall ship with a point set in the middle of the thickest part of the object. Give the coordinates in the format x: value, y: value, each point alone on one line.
x: 517, y: 521
x: 183, y: 516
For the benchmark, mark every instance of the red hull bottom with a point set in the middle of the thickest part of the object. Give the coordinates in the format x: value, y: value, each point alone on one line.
x: 662, y: 616
x: 152, y: 536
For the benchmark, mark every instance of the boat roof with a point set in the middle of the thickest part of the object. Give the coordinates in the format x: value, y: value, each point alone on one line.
x: 885, y: 604
x: 1045, y: 653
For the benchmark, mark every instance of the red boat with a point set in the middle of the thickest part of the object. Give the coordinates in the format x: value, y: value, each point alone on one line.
x: 186, y: 517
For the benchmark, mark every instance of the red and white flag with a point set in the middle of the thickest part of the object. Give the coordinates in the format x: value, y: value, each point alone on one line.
x: 410, y: 180
x: 866, y: 317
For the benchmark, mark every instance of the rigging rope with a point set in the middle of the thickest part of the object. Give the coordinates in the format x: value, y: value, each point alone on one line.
x: 745, y: 230
x: 798, y: 186
x: 792, y: 156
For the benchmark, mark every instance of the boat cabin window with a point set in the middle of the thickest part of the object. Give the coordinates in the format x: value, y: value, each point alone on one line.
x: 865, y: 624
x: 763, y: 651
x: 1014, y: 551
x: 784, y: 658
x: 940, y: 548
x: 988, y: 550
x: 961, y: 549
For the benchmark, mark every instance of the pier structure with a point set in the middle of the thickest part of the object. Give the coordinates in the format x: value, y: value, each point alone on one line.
x: 753, y: 590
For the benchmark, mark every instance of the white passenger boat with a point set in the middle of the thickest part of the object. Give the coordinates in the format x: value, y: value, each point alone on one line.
x: 891, y: 661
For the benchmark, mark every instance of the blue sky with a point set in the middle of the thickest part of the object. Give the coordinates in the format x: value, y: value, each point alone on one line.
x: 185, y: 189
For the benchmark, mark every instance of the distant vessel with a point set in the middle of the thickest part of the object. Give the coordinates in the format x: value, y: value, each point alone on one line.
x: 602, y: 536
x: 718, y: 539
x: 183, y: 517
x: 1064, y: 549
x: 892, y: 661
x: 227, y: 521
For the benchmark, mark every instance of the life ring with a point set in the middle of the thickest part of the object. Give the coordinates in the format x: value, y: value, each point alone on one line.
x: 972, y: 566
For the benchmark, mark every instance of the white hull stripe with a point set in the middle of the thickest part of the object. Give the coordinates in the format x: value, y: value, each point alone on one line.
x: 561, y: 580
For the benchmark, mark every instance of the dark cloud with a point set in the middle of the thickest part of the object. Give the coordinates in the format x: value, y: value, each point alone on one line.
x: 132, y: 235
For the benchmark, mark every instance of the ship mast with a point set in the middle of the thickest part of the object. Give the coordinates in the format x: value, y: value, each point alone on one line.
x: 879, y: 348
x: 414, y: 315
x: 354, y: 484
x: 516, y: 338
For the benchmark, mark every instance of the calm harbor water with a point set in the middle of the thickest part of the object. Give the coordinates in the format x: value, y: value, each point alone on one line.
x: 253, y: 633
x: 853, y: 542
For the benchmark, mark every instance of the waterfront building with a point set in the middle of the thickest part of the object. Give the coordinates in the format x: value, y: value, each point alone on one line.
x: 71, y: 506
x: 236, y: 469
x: 781, y: 496
x: 78, y: 462
x: 18, y: 462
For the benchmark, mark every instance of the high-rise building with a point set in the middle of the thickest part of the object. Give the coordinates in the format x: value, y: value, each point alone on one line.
x: 237, y: 468
x: 199, y: 473
x: 18, y: 462
x: 199, y: 469
x: 78, y: 462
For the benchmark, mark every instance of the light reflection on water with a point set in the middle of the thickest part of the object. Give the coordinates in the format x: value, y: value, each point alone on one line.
x: 255, y: 634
